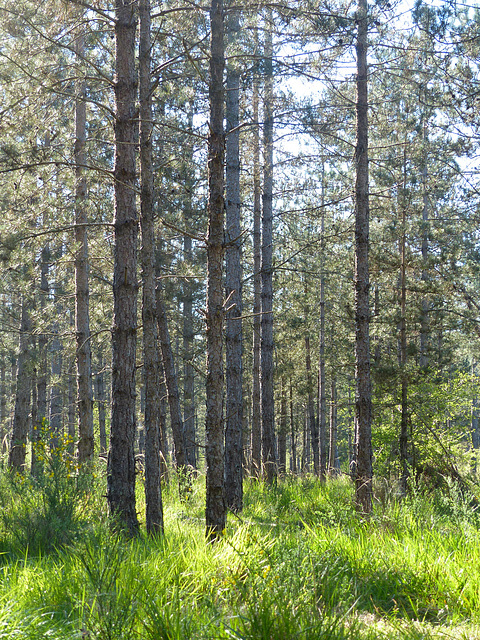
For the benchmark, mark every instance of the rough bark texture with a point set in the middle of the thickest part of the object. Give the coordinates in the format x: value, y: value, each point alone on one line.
x: 82, y: 294
x: 403, y: 440
x: 188, y: 325
x: 363, y: 396
x: 153, y: 494
x: 215, y: 510
x: 18, y: 444
x: 121, y: 459
x: 233, y: 286
x: 424, y: 319
x: 322, y: 401
x: 268, y: 410
x: 257, y: 288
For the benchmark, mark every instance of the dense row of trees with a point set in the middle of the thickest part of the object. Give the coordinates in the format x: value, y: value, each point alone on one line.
x: 294, y: 189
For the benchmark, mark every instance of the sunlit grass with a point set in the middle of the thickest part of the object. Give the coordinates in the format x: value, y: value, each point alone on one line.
x: 297, y: 563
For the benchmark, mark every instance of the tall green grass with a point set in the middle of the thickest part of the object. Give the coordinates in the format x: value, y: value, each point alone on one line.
x: 298, y: 563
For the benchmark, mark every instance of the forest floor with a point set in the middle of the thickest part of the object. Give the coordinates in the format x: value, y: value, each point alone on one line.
x: 298, y: 563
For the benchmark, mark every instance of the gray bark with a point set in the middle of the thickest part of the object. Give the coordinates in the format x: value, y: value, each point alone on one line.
x: 257, y: 286
x: 403, y: 440
x: 215, y: 509
x: 312, y: 423
x: 188, y: 329
x: 82, y: 293
x: 153, y: 494
x: 233, y: 285
x: 363, y: 396
x: 322, y: 396
x: 121, y: 459
x: 268, y: 410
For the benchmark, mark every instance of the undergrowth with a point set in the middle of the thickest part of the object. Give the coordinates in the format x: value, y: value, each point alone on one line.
x: 297, y: 563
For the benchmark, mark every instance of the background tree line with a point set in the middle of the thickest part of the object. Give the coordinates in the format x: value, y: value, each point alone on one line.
x: 207, y: 156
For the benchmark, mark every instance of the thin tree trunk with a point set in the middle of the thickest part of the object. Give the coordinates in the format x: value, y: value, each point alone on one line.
x: 322, y: 396
x: 257, y: 286
x: 3, y: 404
x: 171, y: 380
x: 292, y: 433
x: 233, y: 285
x: 425, y: 307
x: 268, y: 409
x: 121, y: 459
x: 18, y: 444
x: 332, y: 450
x: 282, y: 432
x: 475, y: 430
x: 39, y: 426
x: 153, y: 493
x: 82, y: 293
x: 215, y: 510
x: 403, y: 441
x: 71, y: 408
x: 56, y: 408
x: 312, y: 423
x: 363, y: 398
x: 101, y: 404
x: 188, y: 325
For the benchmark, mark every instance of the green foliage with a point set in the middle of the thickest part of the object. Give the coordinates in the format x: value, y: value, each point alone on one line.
x: 297, y: 564
x: 47, y: 512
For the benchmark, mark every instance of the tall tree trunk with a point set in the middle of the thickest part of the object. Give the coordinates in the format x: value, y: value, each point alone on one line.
x: 233, y: 284
x: 403, y: 440
x: 121, y: 459
x: 153, y: 494
x: 268, y: 409
x: 18, y: 445
x: 82, y: 293
x: 312, y: 423
x: 188, y: 325
x: 322, y: 396
x: 425, y: 307
x: 257, y: 284
x: 363, y: 396
x: 215, y: 511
